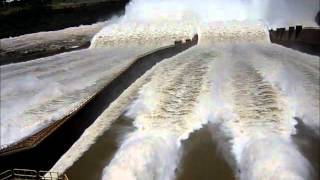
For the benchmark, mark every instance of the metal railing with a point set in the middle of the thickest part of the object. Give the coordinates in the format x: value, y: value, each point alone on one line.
x: 6, y: 175
x: 31, y: 175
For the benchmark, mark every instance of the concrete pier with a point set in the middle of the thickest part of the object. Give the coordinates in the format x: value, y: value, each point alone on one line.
x: 305, y: 39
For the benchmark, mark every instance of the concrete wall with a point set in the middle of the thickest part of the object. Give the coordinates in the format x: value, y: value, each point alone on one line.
x: 304, y: 39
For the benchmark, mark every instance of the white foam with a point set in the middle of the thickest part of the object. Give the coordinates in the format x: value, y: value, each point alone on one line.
x: 255, y: 113
x: 296, y: 75
x: 174, y: 20
x: 101, y: 124
x: 240, y: 95
x: 273, y: 158
x: 168, y: 109
x: 37, y: 93
x: 131, y: 34
x: 145, y: 155
x: 233, y: 31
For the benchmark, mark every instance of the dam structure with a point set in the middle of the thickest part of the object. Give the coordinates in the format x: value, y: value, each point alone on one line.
x: 172, y: 94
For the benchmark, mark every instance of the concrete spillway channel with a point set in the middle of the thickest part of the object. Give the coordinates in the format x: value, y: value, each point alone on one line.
x: 185, y: 75
x: 309, y: 145
x: 202, y: 158
x: 42, y: 155
x: 91, y: 164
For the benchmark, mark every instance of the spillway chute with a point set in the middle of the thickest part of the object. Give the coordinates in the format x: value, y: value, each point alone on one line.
x: 131, y: 34
x: 233, y: 32
x: 165, y: 119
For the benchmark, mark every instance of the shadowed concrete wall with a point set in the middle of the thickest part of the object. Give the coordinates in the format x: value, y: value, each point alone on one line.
x: 303, y: 39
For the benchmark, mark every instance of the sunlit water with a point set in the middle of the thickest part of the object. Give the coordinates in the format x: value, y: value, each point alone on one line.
x: 235, y: 90
x: 229, y: 86
x: 37, y: 93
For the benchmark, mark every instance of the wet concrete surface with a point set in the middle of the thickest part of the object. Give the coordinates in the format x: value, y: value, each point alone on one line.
x: 202, y: 159
x: 92, y: 163
x: 309, y: 144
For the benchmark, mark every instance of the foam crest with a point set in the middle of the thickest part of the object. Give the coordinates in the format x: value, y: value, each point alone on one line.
x: 273, y: 158
x: 255, y: 115
x: 233, y: 31
x: 296, y: 75
x: 145, y: 155
x: 141, y: 25
x: 176, y: 109
x: 37, y: 93
x: 175, y: 96
x: 103, y: 123
x: 131, y: 34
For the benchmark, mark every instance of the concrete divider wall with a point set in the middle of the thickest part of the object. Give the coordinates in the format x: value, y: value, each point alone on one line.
x: 46, y: 153
x: 305, y: 39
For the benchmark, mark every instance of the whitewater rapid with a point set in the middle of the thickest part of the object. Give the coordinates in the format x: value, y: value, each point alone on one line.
x: 234, y: 78
x: 252, y: 91
x: 256, y: 103
x: 37, y: 93
x: 164, y: 114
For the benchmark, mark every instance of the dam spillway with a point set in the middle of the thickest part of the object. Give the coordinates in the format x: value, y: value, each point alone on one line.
x: 86, y: 112
x: 186, y: 104
x: 253, y: 96
x: 233, y: 88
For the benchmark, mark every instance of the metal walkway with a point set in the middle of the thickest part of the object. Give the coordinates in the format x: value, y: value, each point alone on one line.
x: 25, y: 174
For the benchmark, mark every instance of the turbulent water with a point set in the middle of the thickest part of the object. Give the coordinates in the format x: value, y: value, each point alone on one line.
x: 258, y: 115
x: 36, y: 93
x: 255, y: 113
x: 252, y: 91
x: 246, y: 88
x: 164, y: 113
x: 235, y: 80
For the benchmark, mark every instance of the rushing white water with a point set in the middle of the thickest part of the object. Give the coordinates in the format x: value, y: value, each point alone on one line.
x: 165, y: 113
x: 252, y: 110
x: 256, y: 112
x: 136, y: 34
x: 36, y: 93
x: 252, y: 90
x: 145, y: 155
x: 244, y: 87
x: 232, y: 32
x: 297, y: 76
x: 103, y: 123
